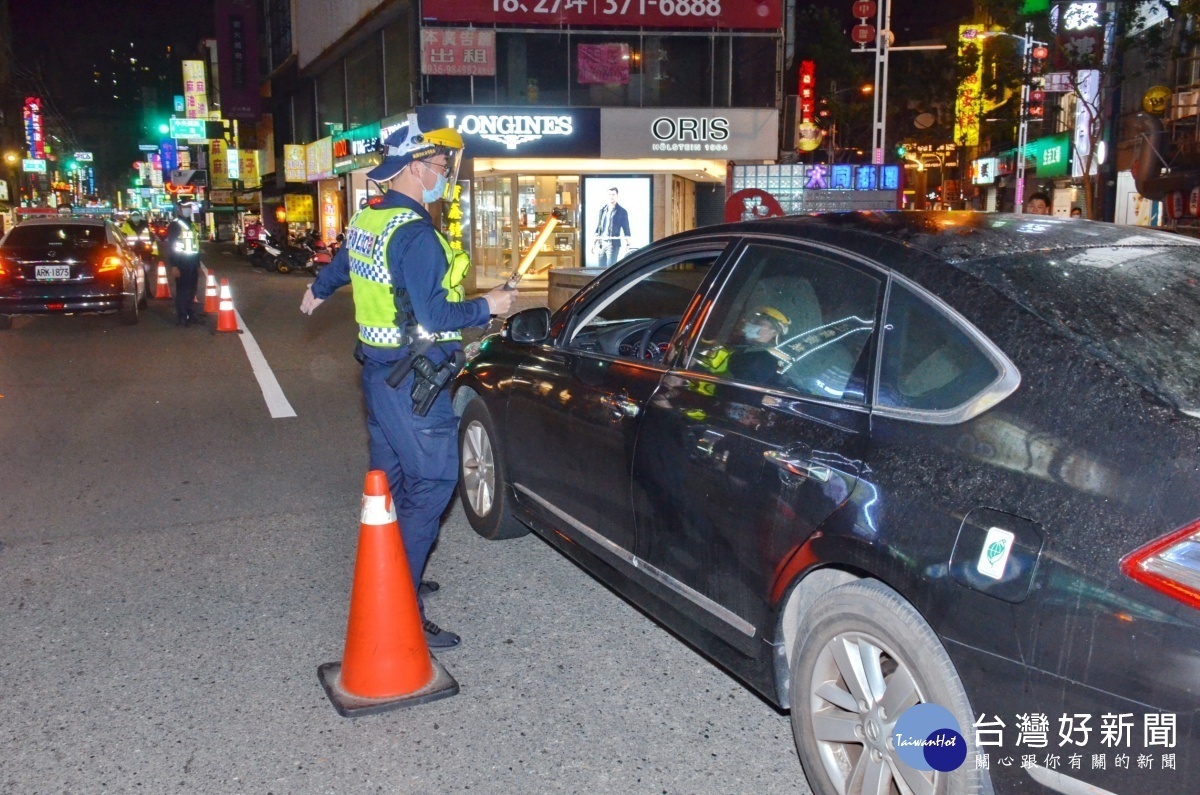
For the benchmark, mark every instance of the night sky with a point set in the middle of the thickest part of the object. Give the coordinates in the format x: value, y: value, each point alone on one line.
x: 56, y: 44
x: 65, y: 37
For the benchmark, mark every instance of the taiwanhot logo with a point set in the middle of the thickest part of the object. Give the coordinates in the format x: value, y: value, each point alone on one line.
x: 927, y: 737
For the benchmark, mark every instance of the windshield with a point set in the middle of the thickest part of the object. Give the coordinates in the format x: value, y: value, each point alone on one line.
x: 1139, y: 304
x: 63, y: 237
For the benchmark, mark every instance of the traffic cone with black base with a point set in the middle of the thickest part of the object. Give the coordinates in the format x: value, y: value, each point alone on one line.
x: 211, y: 302
x: 162, y: 290
x: 386, y: 662
x: 226, y: 317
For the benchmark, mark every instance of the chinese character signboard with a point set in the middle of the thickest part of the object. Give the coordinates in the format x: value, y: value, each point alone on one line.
x: 248, y: 168
x: 299, y: 208
x: 195, y: 90
x: 703, y: 14
x: 601, y: 64
x: 237, y: 57
x: 458, y: 51
x: 218, y: 163
x: 294, y: 163
x: 967, y: 104
x: 1081, y: 34
x: 169, y: 154
x: 35, y: 136
x: 318, y: 159
x: 187, y: 129
x: 808, y: 88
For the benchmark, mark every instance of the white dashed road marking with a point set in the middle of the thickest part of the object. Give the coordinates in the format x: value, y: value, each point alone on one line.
x: 277, y: 402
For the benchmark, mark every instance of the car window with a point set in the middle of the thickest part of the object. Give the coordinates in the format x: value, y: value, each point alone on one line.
x: 652, y: 300
x: 929, y: 361
x: 67, y: 238
x: 792, y: 320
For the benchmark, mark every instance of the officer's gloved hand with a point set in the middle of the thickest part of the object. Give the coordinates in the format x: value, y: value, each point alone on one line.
x: 500, y: 300
x: 310, y: 301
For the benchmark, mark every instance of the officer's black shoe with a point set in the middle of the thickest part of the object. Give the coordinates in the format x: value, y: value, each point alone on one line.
x: 428, y: 588
x: 438, y: 638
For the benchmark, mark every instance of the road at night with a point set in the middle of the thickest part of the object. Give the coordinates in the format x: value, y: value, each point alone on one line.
x: 176, y: 564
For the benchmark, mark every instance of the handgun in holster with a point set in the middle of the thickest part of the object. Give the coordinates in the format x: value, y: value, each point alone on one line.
x: 430, y: 379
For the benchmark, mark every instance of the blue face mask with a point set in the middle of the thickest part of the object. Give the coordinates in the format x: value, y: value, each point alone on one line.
x: 751, y: 331
x: 429, y: 195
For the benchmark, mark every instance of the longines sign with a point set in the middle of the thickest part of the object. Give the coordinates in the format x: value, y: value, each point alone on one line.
x: 702, y: 133
x: 525, y: 131
x: 672, y: 133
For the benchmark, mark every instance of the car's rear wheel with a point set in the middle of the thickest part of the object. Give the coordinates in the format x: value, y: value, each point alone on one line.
x: 482, y: 481
x: 864, y: 657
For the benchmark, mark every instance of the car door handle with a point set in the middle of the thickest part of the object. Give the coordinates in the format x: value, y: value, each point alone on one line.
x: 798, y: 466
x: 621, y: 407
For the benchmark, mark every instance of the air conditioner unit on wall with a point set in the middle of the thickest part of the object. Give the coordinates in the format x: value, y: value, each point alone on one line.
x: 1185, y: 104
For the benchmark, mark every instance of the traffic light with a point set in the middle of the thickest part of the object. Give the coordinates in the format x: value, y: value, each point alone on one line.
x: 901, y: 150
x: 70, y: 166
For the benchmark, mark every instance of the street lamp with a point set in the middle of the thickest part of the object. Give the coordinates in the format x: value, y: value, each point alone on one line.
x: 11, y: 159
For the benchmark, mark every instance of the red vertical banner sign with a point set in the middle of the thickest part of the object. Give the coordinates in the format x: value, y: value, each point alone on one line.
x: 808, y: 89
x: 237, y: 59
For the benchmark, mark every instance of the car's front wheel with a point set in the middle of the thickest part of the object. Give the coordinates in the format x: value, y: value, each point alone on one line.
x: 482, y: 481
x: 864, y: 657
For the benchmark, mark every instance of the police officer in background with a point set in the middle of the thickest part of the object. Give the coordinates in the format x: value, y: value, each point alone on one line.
x: 183, y: 255
x: 410, y: 307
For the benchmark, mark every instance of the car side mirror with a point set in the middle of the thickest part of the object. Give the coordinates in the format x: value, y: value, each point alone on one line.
x: 529, y: 326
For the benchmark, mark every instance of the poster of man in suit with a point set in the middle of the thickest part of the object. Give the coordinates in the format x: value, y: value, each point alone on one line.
x: 617, y: 218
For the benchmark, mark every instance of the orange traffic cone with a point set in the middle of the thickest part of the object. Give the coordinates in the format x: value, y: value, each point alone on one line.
x: 211, y: 302
x: 162, y: 290
x: 386, y: 663
x: 227, y: 318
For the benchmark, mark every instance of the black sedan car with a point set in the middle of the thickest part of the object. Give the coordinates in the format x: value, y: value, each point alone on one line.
x: 930, y: 481
x: 65, y: 265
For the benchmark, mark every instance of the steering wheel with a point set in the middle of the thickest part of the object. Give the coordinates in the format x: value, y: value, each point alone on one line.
x: 645, y: 351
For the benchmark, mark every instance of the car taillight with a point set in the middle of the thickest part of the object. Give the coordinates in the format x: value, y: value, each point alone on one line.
x: 3, y: 268
x: 1169, y: 565
x: 110, y: 264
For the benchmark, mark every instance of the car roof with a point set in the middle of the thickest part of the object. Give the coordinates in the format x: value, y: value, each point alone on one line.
x: 59, y: 220
x: 958, y: 237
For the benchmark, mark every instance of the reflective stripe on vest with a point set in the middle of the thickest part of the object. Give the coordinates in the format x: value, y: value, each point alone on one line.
x: 374, y: 305
x: 188, y: 241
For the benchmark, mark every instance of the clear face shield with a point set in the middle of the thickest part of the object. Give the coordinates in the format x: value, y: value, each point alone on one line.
x: 449, y: 171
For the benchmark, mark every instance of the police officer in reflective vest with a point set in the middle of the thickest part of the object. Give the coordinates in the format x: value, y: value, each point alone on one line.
x: 410, y: 307
x: 183, y: 254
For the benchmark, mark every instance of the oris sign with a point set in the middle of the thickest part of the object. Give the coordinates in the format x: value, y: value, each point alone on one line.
x: 704, y: 133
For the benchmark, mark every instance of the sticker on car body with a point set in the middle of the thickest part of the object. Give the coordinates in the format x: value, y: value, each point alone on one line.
x: 993, y: 558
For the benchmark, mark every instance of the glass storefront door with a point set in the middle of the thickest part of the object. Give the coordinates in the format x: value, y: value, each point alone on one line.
x: 512, y: 209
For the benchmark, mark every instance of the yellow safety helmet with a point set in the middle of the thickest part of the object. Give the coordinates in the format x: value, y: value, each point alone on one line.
x: 772, y: 316
x: 409, y: 143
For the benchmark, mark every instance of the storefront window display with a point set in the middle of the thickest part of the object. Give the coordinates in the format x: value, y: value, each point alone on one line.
x: 616, y: 218
x: 500, y: 210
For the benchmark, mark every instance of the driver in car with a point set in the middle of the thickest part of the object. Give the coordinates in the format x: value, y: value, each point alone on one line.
x: 754, y: 356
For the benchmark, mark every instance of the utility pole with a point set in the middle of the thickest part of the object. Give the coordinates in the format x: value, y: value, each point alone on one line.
x: 1023, y: 126
x: 883, y: 46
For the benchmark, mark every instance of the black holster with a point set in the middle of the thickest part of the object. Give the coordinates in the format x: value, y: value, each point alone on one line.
x: 430, y: 379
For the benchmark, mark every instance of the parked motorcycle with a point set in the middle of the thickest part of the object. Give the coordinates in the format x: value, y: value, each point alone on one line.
x: 322, y: 254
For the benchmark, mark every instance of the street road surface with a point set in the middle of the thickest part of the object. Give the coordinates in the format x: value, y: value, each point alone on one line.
x: 175, y: 564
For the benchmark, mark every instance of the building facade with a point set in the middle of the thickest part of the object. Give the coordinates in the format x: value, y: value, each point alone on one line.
x: 557, y: 108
